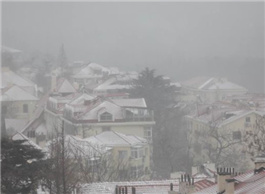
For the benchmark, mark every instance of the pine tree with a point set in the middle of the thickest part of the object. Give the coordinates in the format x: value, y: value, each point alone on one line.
x: 21, y: 166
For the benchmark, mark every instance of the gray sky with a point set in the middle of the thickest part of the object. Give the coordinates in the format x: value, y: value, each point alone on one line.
x: 135, y: 35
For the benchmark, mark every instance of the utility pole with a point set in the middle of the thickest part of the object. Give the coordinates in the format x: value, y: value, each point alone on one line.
x: 63, y: 159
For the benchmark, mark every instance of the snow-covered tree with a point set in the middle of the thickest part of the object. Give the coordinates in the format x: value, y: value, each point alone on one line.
x: 20, y: 166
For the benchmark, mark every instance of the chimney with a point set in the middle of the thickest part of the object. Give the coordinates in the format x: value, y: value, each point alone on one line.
x: 186, y: 185
x: 230, y: 186
x: 133, y: 190
x: 223, y: 175
x: 259, y: 163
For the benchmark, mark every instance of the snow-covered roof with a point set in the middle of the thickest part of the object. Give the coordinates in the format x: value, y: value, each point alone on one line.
x: 112, y: 87
x: 226, y: 86
x: 195, y: 82
x: 132, y: 102
x: 15, y: 93
x: 114, y: 70
x: 105, y: 106
x: 177, y: 84
x: 98, y: 67
x: 244, y: 183
x: 64, y: 86
x: 142, y: 187
x: 80, y: 146
x: 111, y: 139
x: 89, y: 71
x: 11, y: 78
x: 212, y: 83
x: 20, y: 136
x: 80, y: 99
x: 113, y: 83
x: 5, y: 49
x: 94, y: 70
x: 218, y: 116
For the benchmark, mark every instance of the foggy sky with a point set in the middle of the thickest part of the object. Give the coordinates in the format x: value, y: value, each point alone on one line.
x: 132, y: 36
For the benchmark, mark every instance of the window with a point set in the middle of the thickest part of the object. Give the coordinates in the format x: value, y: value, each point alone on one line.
x: 236, y: 135
x: 137, y: 171
x: 122, y: 154
x: 137, y: 152
x: 25, y: 108
x: 247, y: 119
x: 148, y: 133
x: 106, y: 116
x: 31, y: 134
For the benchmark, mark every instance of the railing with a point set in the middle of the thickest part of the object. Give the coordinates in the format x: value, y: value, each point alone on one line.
x: 139, y: 118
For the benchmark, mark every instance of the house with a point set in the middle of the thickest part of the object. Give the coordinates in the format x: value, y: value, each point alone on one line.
x: 141, y: 187
x: 212, y: 128
x: 103, y: 80
x: 204, y: 171
x: 92, y: 116
x: 209, y: 89
x: 17, y: 102
x: 36, y: 129
x: 116, y: 84
x: 121, y: 156
x: 129, y: 150
x: 27, y: 141
x: 229, y: 182
x: 54, y: 110
x: 62, y: 92
x: 62, y: 86
x: 10, y: 78
x: 92, y: 74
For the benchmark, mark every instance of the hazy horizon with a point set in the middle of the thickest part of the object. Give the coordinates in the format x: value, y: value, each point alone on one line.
x: 166, y: 36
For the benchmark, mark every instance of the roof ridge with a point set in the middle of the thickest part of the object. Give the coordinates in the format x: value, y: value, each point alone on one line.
x: 20, y: 88
x: 118, y: 134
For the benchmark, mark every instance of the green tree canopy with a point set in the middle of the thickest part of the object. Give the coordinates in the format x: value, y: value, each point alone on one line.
x: 20, y: 166
x: 154, y: 89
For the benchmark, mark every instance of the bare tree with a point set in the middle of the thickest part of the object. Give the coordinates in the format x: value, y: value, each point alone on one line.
x: 255, y: 139
x: 61, y: 170
x: 219, y: 146
x: 73, y: 162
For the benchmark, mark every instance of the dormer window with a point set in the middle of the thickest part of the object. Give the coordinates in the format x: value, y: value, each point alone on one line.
x: 106, y: 117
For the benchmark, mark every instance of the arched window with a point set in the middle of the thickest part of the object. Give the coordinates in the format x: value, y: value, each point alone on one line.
x: 106, y: 117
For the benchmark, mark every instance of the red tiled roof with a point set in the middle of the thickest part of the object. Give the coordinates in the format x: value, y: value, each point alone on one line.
x: 202, y: 184
x: 254, y: 184
x: 245, y: 184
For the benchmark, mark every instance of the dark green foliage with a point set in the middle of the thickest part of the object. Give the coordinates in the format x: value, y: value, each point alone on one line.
x: 154, y: 89
x: 20, y: 166
x: 169, y: 139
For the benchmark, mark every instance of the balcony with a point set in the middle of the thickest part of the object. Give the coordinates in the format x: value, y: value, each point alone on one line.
x: 143, y: 115
x: 138, y: 118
